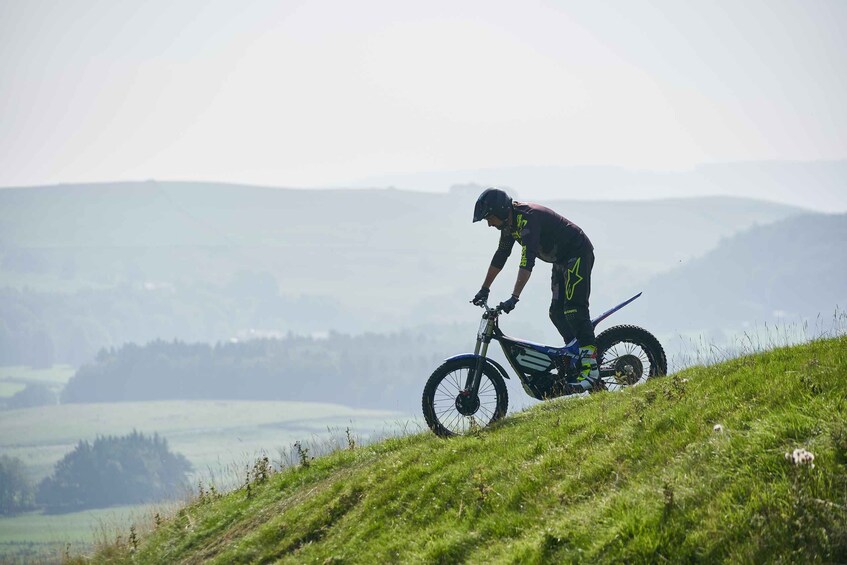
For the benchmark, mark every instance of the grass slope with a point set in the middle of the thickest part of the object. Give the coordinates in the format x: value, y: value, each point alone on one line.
x: 636, y: 476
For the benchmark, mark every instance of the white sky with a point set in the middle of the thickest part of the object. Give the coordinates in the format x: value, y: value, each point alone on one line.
x: 320, y: 92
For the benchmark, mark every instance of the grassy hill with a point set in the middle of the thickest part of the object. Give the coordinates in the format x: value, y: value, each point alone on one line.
x: 690, y: 467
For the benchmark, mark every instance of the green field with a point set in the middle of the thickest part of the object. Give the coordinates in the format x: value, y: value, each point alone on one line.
x: 35, y: 536
x: 219, y: 438
x: 14, y: 378
x: 20, y: 374
x: 694, y: 467
x: 10, y: 388
x: 211, y: 434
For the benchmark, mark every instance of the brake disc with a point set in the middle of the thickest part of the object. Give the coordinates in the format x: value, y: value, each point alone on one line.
x: 628, y: 369
x: 467, y: 404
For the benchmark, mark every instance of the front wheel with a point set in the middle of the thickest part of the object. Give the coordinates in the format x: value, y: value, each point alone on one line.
x: 629, y: 355
x: 450, y: 410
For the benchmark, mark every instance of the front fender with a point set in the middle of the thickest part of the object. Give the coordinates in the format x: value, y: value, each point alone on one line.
x: 499, y: 368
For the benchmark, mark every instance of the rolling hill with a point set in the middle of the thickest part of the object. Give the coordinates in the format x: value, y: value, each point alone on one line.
x: 88, y: 266
x: 739, y: 462
x: 327, y: 241
x: 792, y: 269
x: 815, y: 185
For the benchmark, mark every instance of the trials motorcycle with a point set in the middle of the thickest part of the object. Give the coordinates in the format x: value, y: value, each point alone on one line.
x: 468, y: 392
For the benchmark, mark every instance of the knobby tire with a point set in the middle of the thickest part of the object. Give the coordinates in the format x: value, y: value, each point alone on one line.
x: 438, y: 399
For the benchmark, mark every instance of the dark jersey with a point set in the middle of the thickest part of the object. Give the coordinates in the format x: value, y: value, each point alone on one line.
x: 542, y: 233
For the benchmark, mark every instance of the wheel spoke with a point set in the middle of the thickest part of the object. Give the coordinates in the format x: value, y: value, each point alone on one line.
x: 487, y: 413
x: 445, y: 411
x: 448, y: 395
x: 454, y: 419
x: 456, y: 382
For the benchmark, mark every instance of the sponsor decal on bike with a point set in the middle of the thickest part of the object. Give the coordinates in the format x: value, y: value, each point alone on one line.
x: 533, y: 360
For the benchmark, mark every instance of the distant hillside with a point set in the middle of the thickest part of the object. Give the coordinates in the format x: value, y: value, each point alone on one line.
x: 89, y: 266
x: 815, y: 185
x: 329, y: 229
x: 795, y: 268
x: 696, y: 467
x: 362, y: 244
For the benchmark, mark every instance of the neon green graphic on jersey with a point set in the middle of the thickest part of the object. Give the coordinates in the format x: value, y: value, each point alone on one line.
x: 574, y: 278
x: 520, y: 224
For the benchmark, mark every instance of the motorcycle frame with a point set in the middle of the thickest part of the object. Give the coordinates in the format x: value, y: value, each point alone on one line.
x: 534, y: 360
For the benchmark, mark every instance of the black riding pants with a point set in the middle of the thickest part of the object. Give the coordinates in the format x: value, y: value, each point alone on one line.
x: 571, y: 286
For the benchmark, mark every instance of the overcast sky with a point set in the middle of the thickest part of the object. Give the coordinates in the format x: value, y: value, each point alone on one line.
x: 319, y: 92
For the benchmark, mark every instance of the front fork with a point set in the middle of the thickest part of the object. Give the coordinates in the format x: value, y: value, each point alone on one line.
x: 481, y: 350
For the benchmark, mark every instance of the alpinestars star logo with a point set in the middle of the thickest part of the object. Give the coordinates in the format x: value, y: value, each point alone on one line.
x: 574, y: 278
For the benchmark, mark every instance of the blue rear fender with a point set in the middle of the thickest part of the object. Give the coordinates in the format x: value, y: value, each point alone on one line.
x: 491, y: 362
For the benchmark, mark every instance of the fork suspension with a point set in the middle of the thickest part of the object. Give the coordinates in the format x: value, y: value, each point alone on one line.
x: 474, y: 377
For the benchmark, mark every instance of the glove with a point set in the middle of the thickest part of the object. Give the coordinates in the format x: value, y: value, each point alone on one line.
x: 508, y: 305
x: 481, y: 296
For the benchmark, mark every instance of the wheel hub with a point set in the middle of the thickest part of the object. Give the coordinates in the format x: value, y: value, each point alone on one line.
x: 628, y: 369
x: 467, y: 404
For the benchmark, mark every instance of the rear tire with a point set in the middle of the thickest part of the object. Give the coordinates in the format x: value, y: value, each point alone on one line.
x: 449, y: 413
x: 628, y: 356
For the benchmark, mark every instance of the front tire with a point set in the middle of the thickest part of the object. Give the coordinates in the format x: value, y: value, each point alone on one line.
x: 628, y: 356
x: 450, y: 412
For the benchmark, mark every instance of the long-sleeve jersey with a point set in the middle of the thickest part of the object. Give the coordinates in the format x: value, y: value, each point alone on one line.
x: 542, y: 233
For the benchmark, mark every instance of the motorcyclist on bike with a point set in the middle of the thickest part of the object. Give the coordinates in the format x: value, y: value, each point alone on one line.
x: 544, y: 234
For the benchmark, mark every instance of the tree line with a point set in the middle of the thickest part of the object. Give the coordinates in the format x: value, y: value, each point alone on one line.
x: 42, y: 328
x: 369, y: 370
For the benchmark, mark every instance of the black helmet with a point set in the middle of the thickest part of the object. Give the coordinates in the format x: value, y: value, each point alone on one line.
x: 492, y: 202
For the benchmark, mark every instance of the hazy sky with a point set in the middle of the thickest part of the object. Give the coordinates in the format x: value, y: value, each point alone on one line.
x: 318, y: 92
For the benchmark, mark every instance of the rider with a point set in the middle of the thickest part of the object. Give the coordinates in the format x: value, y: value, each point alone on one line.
x: 544, y: 234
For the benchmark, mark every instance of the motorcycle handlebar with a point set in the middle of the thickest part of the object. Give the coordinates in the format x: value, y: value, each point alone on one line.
x: 489, y: 310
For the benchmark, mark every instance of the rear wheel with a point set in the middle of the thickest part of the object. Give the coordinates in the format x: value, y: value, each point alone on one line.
x: 450, y: 410
x: 629, y: 355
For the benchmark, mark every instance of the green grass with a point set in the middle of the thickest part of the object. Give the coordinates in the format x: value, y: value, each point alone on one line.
x: 637, y: 476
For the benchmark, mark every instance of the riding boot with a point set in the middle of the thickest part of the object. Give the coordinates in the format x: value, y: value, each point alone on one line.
x: 590, y: 374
